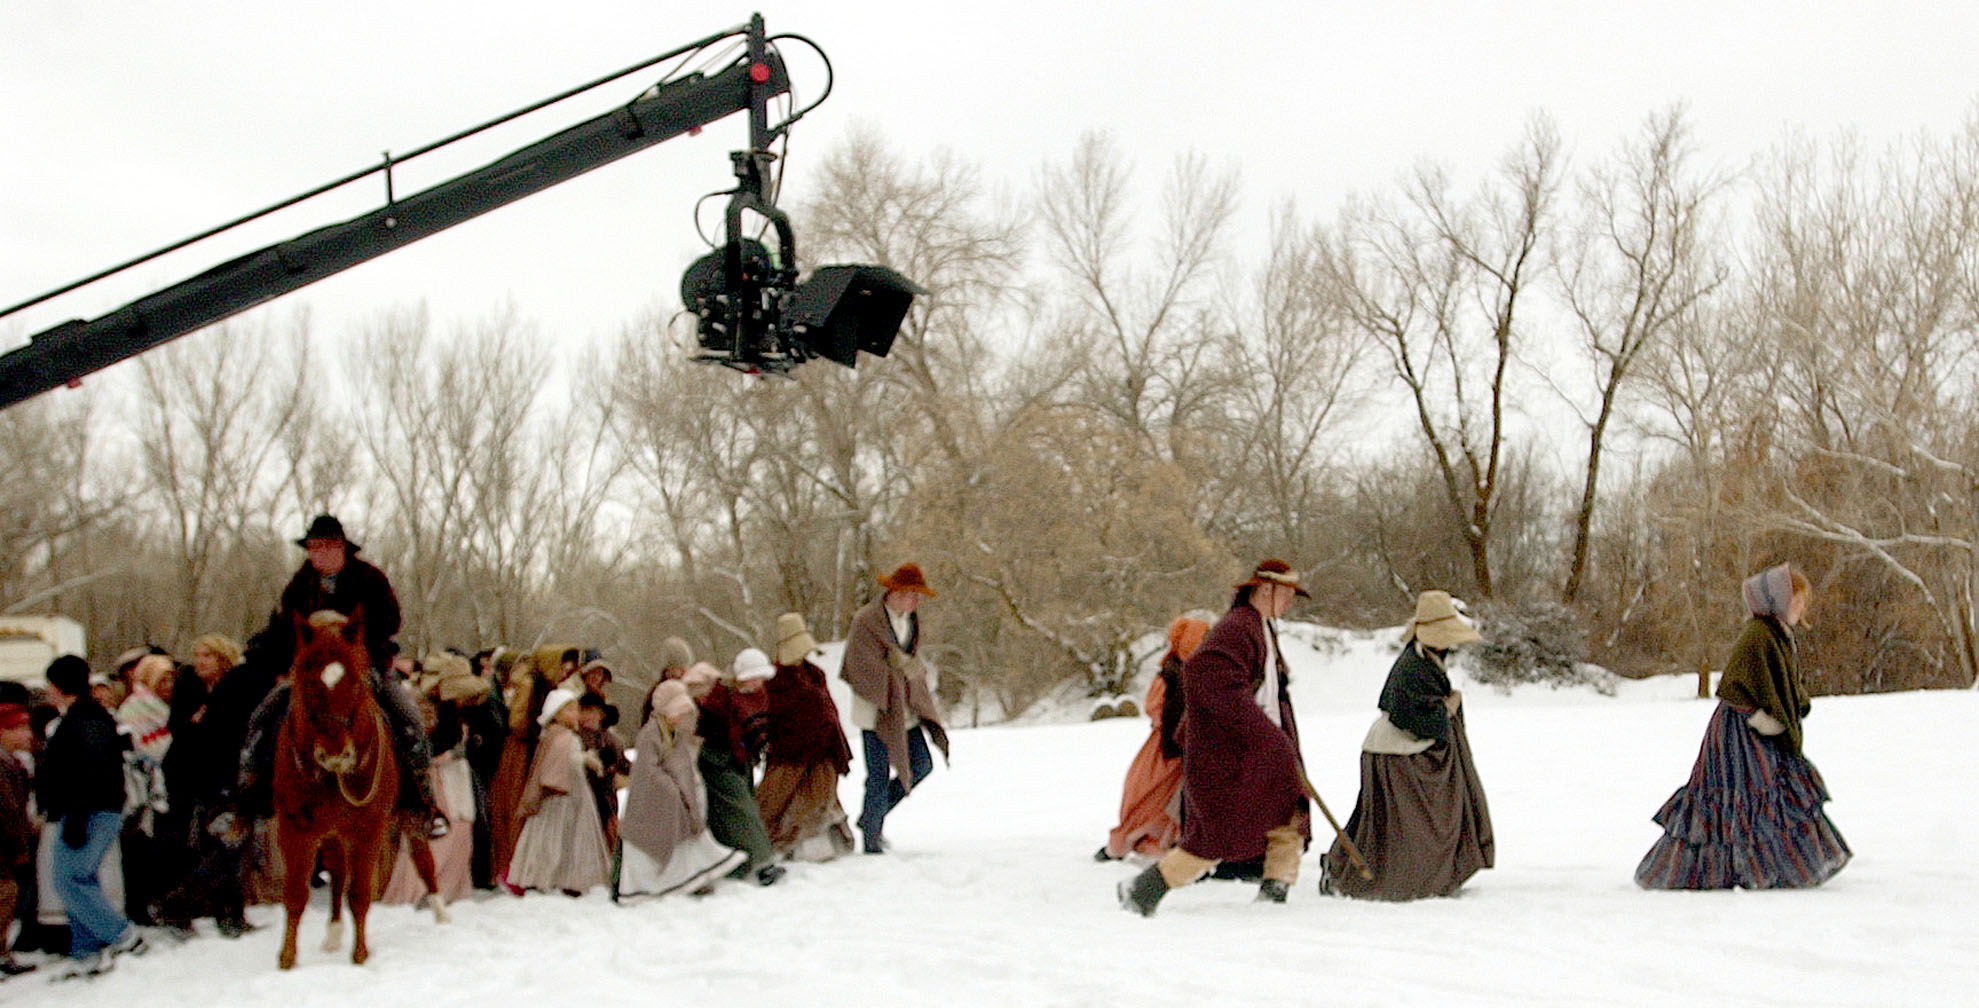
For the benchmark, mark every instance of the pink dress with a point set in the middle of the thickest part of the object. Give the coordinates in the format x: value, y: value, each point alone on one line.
x: 453, y: 854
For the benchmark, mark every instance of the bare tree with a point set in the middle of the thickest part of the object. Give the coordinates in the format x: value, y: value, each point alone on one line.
x: 1442, y: 286
x: 425, y: 417
x: 47, y: 447
x: 212, y: 410
x: 1702, y: 382
x: 1638, y: 267
x: 1292, y: 361
x: 1148, y: 323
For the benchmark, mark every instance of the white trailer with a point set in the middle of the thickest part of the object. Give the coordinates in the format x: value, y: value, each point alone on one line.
x: 29, y: 643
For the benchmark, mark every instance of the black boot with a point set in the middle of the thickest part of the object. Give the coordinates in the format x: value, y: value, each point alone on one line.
x: 1272, y: 890
x: 1144, y: 892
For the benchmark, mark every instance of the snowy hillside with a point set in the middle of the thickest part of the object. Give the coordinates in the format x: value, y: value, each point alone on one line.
x: 991, y: 898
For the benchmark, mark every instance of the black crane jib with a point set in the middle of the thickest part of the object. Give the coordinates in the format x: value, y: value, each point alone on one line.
x: 67, y: 352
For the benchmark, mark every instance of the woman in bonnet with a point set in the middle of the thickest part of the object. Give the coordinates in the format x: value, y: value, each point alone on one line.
x: 1421, y: 821
x: 1751, y: 813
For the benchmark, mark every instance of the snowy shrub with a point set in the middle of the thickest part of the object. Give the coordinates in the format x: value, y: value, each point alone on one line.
x: 1102, y: 708
x: 1538, y: 642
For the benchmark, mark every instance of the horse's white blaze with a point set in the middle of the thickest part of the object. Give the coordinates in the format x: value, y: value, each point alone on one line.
x: 331, y: 673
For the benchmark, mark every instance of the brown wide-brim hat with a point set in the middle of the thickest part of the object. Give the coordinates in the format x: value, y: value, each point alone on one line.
x: 1440, y: 623
x: 1276, y: 572
x: 907, y: 578
x: 794, y: 642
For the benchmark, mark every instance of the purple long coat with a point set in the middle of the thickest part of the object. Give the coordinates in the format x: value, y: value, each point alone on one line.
x: 1240, y: 772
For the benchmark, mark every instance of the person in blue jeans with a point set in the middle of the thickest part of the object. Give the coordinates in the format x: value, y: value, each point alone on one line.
x: 892, y: 700
x: 80, y: 786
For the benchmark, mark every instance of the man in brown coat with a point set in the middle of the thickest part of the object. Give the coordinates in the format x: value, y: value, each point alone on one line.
x: 891, y: 700
x: 1241, y: 778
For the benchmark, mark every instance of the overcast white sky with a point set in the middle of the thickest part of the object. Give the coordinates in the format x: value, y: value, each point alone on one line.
x: 127, y: 124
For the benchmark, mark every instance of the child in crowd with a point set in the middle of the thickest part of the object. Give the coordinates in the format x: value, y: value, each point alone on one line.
x: 595, y: 719
x: 562, y: 843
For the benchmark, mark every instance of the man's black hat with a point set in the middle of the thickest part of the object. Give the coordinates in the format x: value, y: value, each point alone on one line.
x: 327, y: 527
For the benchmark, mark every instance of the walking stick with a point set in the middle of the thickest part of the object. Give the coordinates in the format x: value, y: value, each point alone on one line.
x: 1353, y: 854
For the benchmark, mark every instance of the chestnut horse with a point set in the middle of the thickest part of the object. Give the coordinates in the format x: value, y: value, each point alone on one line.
x: 336, y: 779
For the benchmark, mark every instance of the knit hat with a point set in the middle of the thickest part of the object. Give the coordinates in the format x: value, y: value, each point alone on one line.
x: 671, y: 702
x: 751, y: 664
x: 906, y: 578
x: 794, y: 642
x: 1768, y: 592
x: 553, y: 703
x: 1440, y: 622
x: 674, y: 653
x: 13, y: 715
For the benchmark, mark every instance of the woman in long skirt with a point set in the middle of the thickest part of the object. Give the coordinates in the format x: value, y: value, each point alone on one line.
x: 1150, y: 798
x: 805, y: 754
x: 1421, y: 822
x: 562, y: 842
x: 1751, y: 814
x: 529, y: 683
x: 664, y: 845
x: 450, y: 686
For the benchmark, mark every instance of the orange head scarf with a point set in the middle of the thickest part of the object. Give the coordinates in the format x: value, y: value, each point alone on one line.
x: 1185, y: 635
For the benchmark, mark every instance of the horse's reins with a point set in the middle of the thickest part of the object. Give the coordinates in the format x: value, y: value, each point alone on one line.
x: 339, y: 764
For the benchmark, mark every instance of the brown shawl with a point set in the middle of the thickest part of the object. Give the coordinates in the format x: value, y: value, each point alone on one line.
x: 1763, y: 673
x: 893, y: 680
x: 803, y: 720
x: 665, y: 803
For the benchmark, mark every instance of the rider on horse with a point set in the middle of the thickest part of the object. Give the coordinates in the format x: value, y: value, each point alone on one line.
x: 333, y: 578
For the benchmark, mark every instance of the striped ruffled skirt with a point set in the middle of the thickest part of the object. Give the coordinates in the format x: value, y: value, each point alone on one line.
x: 1750, y: 817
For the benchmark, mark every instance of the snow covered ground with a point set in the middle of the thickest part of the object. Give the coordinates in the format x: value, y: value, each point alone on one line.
x: 990, y: 896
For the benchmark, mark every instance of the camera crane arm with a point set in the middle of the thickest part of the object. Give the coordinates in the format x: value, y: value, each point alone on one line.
x: 63, y: 354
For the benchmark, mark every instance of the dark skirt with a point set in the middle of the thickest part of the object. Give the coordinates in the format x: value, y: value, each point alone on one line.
x: 1421, y: 823
x: 1750, y: 817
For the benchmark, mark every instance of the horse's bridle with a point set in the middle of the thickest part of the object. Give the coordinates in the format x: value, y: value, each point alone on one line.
x: 336, y: 765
